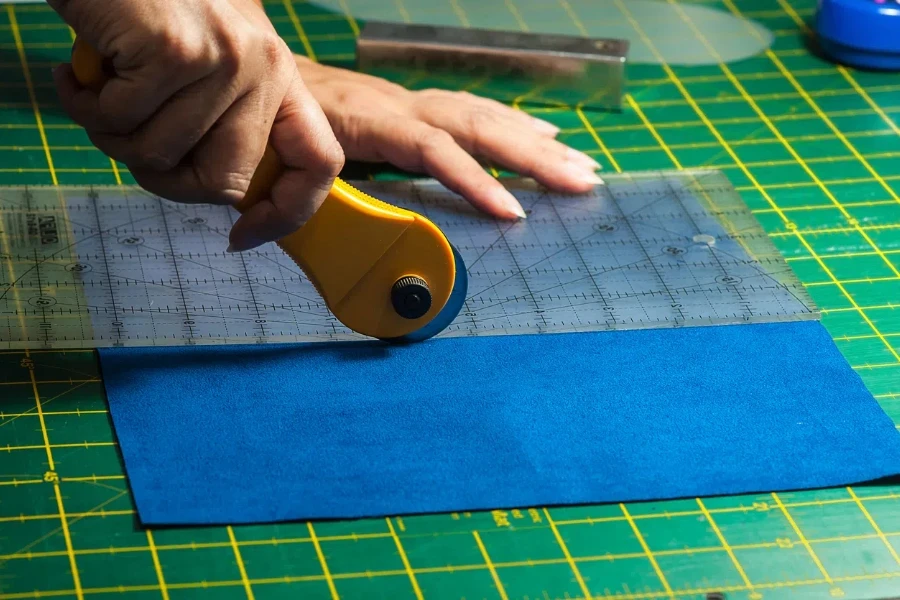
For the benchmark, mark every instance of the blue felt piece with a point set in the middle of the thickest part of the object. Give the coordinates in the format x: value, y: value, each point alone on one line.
x: 267, y: 433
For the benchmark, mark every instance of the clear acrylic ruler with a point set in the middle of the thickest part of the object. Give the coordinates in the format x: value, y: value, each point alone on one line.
x: 116, y: 266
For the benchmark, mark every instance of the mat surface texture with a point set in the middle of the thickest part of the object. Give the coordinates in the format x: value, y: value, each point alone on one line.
x: 813, y: 149
x: 360, y: 430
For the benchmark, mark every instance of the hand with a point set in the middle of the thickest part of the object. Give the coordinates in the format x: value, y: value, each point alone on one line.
x: 438, y: 132
x: 200, y: 87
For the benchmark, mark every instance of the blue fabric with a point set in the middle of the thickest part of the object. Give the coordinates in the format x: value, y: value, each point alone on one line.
x: 267, y: 433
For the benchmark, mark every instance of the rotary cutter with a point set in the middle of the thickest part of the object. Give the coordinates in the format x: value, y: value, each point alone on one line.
x: 383, y: 271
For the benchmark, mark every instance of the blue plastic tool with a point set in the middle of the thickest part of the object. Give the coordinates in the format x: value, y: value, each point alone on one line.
x: 861, y: 33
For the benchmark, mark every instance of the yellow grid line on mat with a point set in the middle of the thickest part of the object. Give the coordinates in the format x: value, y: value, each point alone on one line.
x: 51, y: 475
x: 657, y: 131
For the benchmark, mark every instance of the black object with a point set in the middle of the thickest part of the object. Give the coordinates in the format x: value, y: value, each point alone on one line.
x: 411, y: 297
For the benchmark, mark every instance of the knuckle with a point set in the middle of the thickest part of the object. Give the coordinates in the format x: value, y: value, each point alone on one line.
x: 479, y: 124
x: 176, y: 49
x: 440, y: 92
x: 180, y: 50
x: 530, y: 164
x: 328, y: 157
x: 430, y: 96
x: 478, y: 118
x: 156, y: 159
x: 434, y: 139
x: 348, y: 128
x: 231, y: 54
x: 344, y: 95
x: 335, y: 158
x: 227, y: 186
x: 274, y: 50
x: 153, y: 153
x: 385, y: 86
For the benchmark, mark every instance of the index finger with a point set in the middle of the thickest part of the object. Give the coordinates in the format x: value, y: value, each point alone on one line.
x: 311, y: 158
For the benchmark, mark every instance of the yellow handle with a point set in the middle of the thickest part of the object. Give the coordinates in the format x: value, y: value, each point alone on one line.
x: 354, y: 249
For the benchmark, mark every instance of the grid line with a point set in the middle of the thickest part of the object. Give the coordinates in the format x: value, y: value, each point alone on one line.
x: 875, y: 526
x: 653, y: 131
x: 239, y: 561
x: 565, y: 549
x: 674, y: 124
x: 295, y: 21
x: 646, y: 549
x: 326, y: 574
x: 670, y: 73
x: 728, y: 73
x: 163, y: 590
x: 490, y: 565
x: 610, y: 558
x: 812, y: 553
x: 788, y: 146
x: 685, y: 592
x: 754, y: 595
x: 666, y: 515
x: 812, y: 103
x: 26, y: 73
x: 672, y: 102
x: 674, y: 116
x: 51, y: 475
x: 405, y: 559
x: 726, y: 70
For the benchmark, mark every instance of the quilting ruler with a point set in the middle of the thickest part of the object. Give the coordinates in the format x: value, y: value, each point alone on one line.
x: 117, y: 266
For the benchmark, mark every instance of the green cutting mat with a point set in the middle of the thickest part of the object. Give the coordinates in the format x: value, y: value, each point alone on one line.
x: 813, y: 148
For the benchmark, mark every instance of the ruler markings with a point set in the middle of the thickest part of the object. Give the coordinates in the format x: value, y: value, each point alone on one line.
x: 698, y: 231
x: 116, y: 324
x: 259, y: 319
x: 610, y: 310
x: 522, y: 273
x: 631, y: 227
x: 188, y: 323
x: 632, y: 254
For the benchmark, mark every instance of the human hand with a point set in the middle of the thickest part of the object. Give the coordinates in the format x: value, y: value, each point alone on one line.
x: 199, y: 88
x: 441, y: 133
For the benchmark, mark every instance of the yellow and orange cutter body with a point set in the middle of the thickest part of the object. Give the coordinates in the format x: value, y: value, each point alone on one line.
x: 383, y: 271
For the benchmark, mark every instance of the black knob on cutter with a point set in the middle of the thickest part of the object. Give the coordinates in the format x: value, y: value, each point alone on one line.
x: 411, y: 297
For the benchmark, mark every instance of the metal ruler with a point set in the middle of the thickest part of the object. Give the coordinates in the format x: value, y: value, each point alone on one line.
x: 116, y: 266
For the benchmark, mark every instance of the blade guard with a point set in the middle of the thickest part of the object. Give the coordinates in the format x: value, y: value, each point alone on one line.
x: 369, y: 261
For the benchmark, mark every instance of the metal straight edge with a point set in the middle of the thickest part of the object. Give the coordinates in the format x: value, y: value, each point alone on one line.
x: 545, y: 69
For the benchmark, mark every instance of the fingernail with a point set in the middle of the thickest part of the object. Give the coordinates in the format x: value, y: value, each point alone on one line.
x: 230, y: 248
x: 582, y: 158
x: 579, y: 173
x: 506, y: 199
x: 544, y: 126
x: 593, y: 178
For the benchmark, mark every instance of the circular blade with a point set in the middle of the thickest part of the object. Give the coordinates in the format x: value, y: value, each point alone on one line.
x: 449, y: 312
